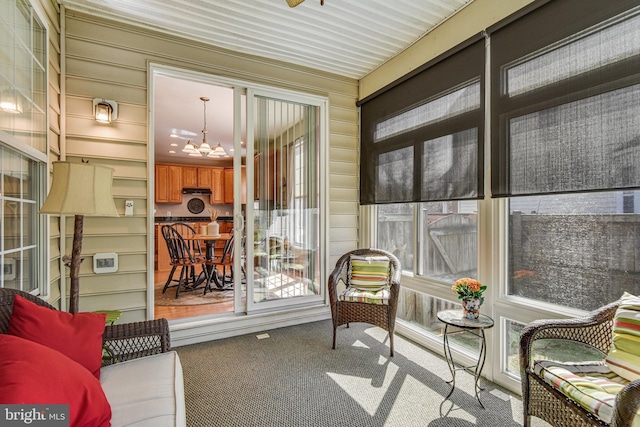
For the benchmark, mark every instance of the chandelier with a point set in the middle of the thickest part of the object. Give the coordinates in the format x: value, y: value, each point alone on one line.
x: 204, y: 149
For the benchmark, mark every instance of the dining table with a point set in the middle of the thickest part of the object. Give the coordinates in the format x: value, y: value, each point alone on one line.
x: 210, y: 242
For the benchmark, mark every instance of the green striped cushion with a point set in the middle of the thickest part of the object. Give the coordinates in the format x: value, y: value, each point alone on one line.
x: 590, y: 384
x: 352, y: 294
x: 369, y: 273
x: 624, y: 355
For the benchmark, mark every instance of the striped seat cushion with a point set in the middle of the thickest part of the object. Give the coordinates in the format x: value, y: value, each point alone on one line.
x: 591, y: 385
x: 624, y: 355
x: 369, y: 273
x: 352, y: 294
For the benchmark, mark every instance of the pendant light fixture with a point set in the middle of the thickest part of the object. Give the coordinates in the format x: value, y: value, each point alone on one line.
x: 204, y: 149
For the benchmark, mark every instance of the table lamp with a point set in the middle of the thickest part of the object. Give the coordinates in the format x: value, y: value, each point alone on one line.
x: 79, y: 189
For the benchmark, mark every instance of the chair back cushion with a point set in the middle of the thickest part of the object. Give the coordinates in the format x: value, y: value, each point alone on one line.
x: 624, y: 355
x: 368, y: 273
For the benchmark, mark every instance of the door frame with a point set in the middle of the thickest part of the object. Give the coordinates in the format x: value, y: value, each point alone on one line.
x: 239, y: 86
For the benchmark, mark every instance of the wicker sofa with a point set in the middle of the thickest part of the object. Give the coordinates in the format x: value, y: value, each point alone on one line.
x: 140, y: 376
x: 542, y: 400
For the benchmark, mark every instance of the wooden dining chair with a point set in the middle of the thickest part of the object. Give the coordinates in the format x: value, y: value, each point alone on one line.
x: 225, y: 262
x: 185, y: 254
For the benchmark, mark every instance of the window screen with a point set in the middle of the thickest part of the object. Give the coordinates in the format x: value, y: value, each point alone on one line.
x: 422, y: 138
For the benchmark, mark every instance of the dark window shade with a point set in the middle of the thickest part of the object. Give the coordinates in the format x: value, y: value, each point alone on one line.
x: 565, y: 112
x: 422, y: 139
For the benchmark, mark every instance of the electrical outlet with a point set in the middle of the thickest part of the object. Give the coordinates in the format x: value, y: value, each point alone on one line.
x: 128, y: 208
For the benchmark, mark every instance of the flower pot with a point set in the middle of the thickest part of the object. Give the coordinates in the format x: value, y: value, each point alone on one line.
x: 471, y: 308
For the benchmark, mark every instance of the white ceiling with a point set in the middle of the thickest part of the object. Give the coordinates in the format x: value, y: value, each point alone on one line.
x: 345, y: 37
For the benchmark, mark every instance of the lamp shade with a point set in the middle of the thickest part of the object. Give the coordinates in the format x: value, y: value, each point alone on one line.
x: 80, y: 189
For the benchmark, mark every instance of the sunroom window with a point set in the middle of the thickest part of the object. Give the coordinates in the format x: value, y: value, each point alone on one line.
x: 23, y: 145
x: 570, y: 114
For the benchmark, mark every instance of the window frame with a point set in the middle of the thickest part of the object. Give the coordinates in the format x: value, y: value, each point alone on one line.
x: 40, y: 158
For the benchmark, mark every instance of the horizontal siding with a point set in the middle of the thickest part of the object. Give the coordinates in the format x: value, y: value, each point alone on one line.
x: 109, y: 60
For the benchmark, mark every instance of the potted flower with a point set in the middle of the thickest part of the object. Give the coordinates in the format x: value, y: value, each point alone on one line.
x: 470, y: 292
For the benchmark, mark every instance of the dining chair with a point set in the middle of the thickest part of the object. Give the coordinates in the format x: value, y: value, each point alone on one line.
x: 186, y: 254
x: 224, y: 261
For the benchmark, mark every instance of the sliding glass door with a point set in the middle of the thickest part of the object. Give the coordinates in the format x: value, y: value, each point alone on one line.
x: 283, y: 215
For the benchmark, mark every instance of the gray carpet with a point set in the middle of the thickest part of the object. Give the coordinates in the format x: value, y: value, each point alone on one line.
x: 294, y: 378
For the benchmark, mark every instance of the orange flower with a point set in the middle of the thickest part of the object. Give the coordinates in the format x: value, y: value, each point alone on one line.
x: 468, y: 288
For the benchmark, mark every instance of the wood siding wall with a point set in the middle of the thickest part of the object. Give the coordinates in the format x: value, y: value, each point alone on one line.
x: 110, y: 60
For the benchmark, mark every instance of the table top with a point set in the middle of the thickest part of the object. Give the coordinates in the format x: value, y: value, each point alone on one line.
x: 456, y: 318
x: 222, y: 236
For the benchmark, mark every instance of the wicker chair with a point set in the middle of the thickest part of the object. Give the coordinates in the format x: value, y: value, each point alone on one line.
x: 344, y: 312
x: 121, y: 341
x: 543, y: 401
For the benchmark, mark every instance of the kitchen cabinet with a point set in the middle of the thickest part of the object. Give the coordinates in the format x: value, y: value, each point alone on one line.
x: 228, y: 185
x: 168, y: 182
x: 196, y: 177
x: 217, y: 186
x: 189, y: 176
x: 163, y: 260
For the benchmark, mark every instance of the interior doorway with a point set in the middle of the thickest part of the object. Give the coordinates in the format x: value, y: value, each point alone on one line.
x: 265, y: 190
x: 193, y: 186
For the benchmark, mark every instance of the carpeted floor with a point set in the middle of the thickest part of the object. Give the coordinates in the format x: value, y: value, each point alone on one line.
x: 294, y: 378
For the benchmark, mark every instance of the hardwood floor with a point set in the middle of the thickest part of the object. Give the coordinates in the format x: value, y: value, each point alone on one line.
x: 177, y: 311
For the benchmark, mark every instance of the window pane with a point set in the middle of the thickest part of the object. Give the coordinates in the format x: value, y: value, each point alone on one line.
x: 20, y: 220
x: 513, y: 330
x: 449, y: 239
x: 450, y: 166
x: 394, y: 176
x: 396, y: 231
x: 594, y: 50
x: 444, y: 106
x: 421, y: 310
x: 583, y: 145
x: 575, y: 250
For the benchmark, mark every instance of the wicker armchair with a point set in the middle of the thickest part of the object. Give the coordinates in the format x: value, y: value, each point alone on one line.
x: 121, y: 341
x: 543, y: 401
x: 344, y: 312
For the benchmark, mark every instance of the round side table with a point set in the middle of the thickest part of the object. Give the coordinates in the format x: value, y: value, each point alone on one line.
x: 475, y: 327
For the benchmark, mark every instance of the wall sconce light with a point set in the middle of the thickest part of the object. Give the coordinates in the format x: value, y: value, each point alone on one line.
x: 11, y: 101
x: 105, y: 110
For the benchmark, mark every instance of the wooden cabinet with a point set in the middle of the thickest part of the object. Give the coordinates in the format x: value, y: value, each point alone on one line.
x: 228, y: 185
x: 168, y: 182
x: 170, y: 179
x: 217, y: 186
x: 196, y: 177
x: 204, y: 177
x: 163, y: 261
x: 189, y: 176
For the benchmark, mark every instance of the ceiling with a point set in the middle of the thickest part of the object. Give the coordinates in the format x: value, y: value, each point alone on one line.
x: 346, y: 37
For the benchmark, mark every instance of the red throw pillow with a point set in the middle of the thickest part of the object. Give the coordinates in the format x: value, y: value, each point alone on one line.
x: 31, y: 373
x: 77, y: 336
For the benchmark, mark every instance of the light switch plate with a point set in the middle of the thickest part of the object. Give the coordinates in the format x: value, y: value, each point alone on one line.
x: 128, y: 208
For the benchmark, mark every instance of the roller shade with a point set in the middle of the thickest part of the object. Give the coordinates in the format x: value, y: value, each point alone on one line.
x: 565, y: 112
x: 422, y: 138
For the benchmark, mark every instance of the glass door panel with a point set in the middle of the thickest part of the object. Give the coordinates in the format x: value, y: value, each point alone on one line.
x: 286, y: 190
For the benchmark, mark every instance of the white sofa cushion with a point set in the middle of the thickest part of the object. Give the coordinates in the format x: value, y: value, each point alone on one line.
x: 148, y: 391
